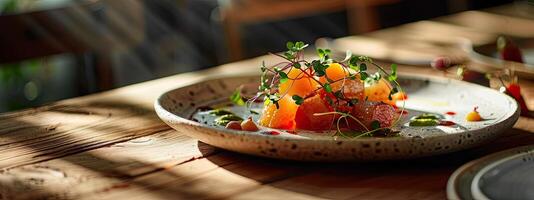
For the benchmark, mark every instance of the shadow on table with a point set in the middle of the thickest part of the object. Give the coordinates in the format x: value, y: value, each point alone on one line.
x: 65, y: 139
x: 420, y: 178
x: 75, y: 168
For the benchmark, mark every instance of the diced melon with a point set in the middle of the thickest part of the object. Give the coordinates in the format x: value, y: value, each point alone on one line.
x: 302, y: 86
x: 334, y: 72
x: 282, y: 118
x: 379, y: 91
x: 305, y: 118
x: 352, y: 88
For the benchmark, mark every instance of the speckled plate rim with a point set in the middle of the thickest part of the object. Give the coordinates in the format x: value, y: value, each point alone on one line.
x: 163, y: 113
x: 475, y: 169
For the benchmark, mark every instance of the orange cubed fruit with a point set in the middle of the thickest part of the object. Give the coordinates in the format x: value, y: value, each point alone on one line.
x: 299, y: 84
x: 334, y: 72
x: 379, y: 91
x: 400, y: 96
x: 352, y: 88
x: 282, y: 117
x: 305, y: 118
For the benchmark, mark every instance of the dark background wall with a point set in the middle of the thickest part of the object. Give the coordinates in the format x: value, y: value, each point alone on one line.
x: 178, y: 36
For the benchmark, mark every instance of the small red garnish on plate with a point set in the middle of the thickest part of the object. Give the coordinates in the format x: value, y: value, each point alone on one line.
x: 441, y: 63
x: 447, y: 123
x: 270, y: 132
x: 450, y: 113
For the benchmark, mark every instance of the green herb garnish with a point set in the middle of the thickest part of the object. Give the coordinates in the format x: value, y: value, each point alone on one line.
x: 426, y: 119
x: 225, y: 119
x: 424, y: 122
x: 236, y: 97
x: 298, y: 100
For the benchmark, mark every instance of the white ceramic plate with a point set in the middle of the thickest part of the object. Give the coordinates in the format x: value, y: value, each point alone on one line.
x: 434, y: 95
x: 507, y: 174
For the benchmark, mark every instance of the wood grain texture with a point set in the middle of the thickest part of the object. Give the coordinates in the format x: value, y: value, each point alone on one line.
x: 492, y: 23
x: 101, y: 169
x: 96, y: 143
x: 111, y: 145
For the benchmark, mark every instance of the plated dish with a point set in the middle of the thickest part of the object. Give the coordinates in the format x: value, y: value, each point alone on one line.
x: 330, y: 110
x: 503, y: 175
x: 489, y: 54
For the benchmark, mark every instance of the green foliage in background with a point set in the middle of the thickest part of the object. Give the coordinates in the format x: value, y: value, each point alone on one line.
x: 8, y: 6
x: 19, y: 83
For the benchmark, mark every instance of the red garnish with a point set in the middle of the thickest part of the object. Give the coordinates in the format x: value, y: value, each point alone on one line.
x: 270, y: 132
x: 450, y: 113
x: 509, y: 50
x: 441, y: 63
x: 514, y: 90
x: 447, y: 123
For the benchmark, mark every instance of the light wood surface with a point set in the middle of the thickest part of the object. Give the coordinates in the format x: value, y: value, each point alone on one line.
x: 111, y: 145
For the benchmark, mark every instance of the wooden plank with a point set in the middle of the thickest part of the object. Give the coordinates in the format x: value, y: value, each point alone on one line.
x: 102, y: 169
x: 71, y: 129
x: 416, y: 43
x: 492, y: 23
x: 434, y: 32
x: 254, y: 11
x: 368, y: 182
x: 229, y: 174
x: 267, y: 192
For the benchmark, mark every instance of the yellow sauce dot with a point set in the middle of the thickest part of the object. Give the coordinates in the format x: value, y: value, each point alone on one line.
x: 473, y: 116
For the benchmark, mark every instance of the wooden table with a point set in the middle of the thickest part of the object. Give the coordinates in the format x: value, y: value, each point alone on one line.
x: 111, y: 145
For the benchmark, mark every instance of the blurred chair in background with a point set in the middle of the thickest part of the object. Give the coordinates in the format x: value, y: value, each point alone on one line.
x: 236, y: 13
x: 94, y: 29
x: 90, y: 31
x: 362, y: 16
